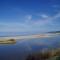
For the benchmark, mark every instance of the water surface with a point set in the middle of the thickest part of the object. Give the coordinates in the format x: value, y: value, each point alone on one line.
x: 23, y: 48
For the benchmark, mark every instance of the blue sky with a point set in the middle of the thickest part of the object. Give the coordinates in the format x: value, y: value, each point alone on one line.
x: 29, y: 16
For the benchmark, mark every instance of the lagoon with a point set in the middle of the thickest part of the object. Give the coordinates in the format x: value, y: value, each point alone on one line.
x: 23, y: 48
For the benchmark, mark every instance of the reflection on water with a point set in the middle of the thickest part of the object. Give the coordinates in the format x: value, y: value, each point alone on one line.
x: 23, y: 48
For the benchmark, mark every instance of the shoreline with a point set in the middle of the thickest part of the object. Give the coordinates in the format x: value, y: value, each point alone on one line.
x: 29, y: 36
x: 13, y: 40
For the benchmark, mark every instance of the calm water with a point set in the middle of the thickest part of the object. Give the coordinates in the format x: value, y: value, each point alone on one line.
x: 23, y: 48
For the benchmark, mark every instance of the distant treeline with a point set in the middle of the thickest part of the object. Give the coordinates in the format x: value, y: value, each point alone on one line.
x: 54, y: 32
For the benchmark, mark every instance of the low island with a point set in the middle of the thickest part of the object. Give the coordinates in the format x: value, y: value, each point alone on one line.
x: 9, y: 41
x: 13, y: 39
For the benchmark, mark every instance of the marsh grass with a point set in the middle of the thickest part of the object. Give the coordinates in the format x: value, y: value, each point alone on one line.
x: 49, y: 55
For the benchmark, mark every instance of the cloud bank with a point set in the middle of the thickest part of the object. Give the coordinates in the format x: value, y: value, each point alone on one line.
x: 44, y: 24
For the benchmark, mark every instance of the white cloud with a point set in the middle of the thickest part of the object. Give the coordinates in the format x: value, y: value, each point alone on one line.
x: 30, y: 25
x: 44, y: 16
x: 48, y: 20
x: 57, y: 15
x: 13, y: 27
x: 29, y: 17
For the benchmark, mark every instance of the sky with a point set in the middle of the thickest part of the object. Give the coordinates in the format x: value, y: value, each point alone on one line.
x: 29, y: 16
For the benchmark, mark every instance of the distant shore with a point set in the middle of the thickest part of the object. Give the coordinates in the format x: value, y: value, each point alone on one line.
x: 26, y: 37
x: 12, y: 40
x: 9, y: 40
x: 29, y: 36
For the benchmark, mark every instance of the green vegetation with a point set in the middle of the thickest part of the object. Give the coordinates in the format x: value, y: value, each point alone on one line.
x: 54, y: 32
